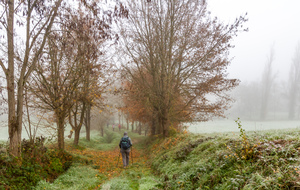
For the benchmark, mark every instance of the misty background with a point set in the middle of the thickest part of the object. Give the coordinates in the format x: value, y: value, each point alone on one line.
x: 266, y: 60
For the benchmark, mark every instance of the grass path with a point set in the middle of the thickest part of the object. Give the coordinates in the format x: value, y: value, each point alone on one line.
x: 110, y: 167
x: 98, y: 166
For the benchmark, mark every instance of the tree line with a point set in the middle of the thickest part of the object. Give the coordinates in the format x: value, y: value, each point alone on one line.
x: 172, y: 60
x: 269, y: 98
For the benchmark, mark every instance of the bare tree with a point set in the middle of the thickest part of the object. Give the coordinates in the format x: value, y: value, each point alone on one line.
x: 184, y: 53
x: 294, y: 82
x: 36, y: 19
x: 57, y: 80
x: 89, y: 34
x: 268, y: 78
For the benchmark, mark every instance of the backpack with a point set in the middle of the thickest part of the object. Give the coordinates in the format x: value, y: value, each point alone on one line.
x: 125, y: 143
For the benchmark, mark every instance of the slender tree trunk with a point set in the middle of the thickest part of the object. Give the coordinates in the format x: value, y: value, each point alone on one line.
x: 140, y: 129
x: 20, y: 101
x: 146, y: 129
x: 153, y: 127
x: 122, y: 116
x: 292, y: 104
x: 268, y: 80
x: 153, y: 124
x: 132, y: 126
x: 14, y: 141
x: 88, y: 122
x: 76, y: 137
x: 102, y: 131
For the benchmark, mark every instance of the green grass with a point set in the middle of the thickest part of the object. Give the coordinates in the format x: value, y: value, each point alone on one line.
x: 136, y: 177
x: 97, y: 142
x: 76, y: 178
x: 81, y: 176
x: 265, y: 160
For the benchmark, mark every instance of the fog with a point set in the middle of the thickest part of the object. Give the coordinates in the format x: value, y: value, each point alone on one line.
x: 273, y: 27
x: 272, y: 24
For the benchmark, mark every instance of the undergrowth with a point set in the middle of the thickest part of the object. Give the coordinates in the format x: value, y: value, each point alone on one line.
x: 36, y: 163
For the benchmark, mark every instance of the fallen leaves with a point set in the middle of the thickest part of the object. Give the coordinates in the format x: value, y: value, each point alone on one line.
x: 109, y: 162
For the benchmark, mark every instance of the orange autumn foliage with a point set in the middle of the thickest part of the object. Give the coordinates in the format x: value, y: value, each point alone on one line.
x: 108, y: 162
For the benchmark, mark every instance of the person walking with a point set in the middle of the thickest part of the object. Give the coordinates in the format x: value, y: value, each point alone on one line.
x: 125, y: 144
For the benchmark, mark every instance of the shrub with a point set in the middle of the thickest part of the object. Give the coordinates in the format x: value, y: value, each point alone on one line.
x: 245, y: 149
x: 36, y: 163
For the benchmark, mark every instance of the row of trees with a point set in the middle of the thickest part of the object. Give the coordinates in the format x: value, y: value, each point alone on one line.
x: 270, y: 98
x: 50, y: 55
x: 173, y: 54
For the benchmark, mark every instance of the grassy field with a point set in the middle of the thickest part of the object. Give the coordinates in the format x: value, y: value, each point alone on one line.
x: 228, y: 125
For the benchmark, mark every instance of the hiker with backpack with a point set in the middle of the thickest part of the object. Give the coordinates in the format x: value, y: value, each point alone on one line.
x: 125, y: 144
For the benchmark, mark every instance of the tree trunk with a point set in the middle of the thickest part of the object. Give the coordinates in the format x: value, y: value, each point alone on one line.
x: 132, y: 126
x: 88, y: 122
x: 14, y: 141
x: 153, y: 124
x: 165, y: 128
x: 159, y: 128
x: 140, y: 129
x: 122, y: 117
x: 292, y: 102
x: 102, y: 131
x: 20, y: 100
x: 14, y: 145
x: 146, y: 130
x: 76, y: 137
x: 60, y: 134
x: 164, y: 123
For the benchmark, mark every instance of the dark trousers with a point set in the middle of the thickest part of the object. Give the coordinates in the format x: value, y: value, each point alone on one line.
x: 125, y: 156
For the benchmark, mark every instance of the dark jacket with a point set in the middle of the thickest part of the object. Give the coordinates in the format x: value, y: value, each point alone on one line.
x: 130, y: 143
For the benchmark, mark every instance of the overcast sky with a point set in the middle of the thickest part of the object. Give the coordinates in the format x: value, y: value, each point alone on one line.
x: 270, y: 22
